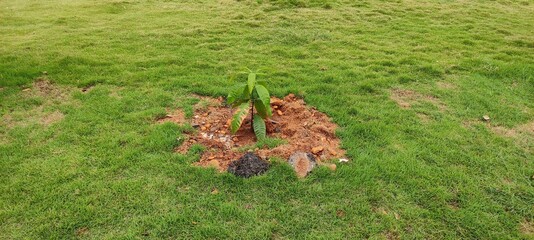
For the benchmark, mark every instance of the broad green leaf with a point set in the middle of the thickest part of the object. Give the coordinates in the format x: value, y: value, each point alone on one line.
x: 261, y: 109
x: 234, y: 94
x: 238, y: 94
x: 251, y: 82
x: 265, y: 99
x: 259, y: 127
x: 239, y: 116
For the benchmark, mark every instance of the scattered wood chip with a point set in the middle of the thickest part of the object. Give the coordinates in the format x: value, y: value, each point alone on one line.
x: 277, y: 102
x: 333, y: 152
x: 317, y: 149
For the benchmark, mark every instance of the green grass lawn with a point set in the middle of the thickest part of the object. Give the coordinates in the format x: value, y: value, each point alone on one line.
x: 407, y: 81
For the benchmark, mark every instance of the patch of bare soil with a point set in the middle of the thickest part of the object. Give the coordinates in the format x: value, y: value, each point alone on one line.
x: 177, y: 116
x: 304, y: 128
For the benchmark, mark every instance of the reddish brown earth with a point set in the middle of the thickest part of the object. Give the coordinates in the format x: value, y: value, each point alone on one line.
x: 302, y: 127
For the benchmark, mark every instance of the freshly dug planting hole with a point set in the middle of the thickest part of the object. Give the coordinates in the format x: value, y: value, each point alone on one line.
x: 301, y: 127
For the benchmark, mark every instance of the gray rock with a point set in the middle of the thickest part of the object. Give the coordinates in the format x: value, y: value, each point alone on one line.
x: 302, y: 162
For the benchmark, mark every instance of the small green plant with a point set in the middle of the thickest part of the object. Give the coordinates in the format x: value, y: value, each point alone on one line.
x: 247, y: 97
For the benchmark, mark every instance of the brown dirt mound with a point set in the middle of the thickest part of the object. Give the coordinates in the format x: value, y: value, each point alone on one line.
x: 303, y: 128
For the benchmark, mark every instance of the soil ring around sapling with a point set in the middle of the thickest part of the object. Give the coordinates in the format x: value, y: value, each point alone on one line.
x: 293, y: 127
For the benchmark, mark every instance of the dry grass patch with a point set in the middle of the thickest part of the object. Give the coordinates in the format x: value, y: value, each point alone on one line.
x: 37, y: 115
x: 391, y: 235
x: 445, y: 85
x: 406, y: 99
x: 516, y: 132
x: 522, y: 135
x: 527, y: 227
x: 45, y: 88
x: 115, y: 92
x: 52, y: 118
x: 424, y: 117
x: 50, y: 95
x: 403, y: 98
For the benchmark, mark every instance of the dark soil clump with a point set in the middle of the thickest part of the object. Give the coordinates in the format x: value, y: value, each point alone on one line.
x: 248, y: 165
